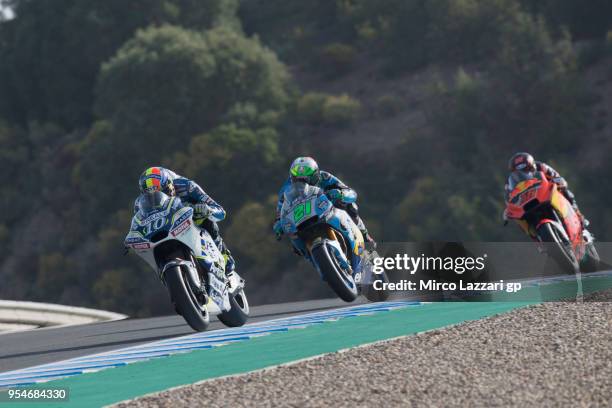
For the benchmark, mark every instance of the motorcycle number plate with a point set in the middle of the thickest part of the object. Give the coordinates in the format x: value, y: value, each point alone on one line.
x: 527, y: 195
x: 302, y: 211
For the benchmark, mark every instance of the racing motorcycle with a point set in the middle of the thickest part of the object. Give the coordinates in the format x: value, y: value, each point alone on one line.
x: 163, y: 233
x: 328, y: 237
x: 544, y: 214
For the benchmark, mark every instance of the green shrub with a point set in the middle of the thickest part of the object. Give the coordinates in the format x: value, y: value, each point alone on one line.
x: 55, y: 271
x: 337, y: 58
x: 341, y: 110
x: 530, y: 96
x: 410, y: 34
x: 584, y: 19
x: 250, y: 234
x: 114, y: 290
x: 388, y: 105
x: 232, y: 151
x: 366, y: 32
x: 48, y: 73
x: 310, y: 107
x: 167, y: 85
x: 468, y: 30
x: 197, y: 79
x: 609, y: 41
x: 317, y: 108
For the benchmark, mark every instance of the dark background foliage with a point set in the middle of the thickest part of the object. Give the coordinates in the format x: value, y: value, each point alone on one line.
x: 417, y: 104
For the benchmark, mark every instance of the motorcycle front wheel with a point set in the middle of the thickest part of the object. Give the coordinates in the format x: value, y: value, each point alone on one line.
x: 185, y: 301
x: 337, y: 278
x: 558, y: 249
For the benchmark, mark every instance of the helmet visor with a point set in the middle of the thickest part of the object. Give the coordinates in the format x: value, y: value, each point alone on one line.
x: 153, y: 201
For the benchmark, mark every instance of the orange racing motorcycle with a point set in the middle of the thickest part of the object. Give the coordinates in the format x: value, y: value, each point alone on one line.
x: 544, y: 214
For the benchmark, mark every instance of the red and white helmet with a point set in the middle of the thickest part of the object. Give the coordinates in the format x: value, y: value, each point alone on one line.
x: 522, y: 162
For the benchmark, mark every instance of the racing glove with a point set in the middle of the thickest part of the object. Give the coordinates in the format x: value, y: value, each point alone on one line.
x: 202, y: 210
x: 335, y: 195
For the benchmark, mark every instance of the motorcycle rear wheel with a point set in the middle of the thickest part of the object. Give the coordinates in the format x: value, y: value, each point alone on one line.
x: 374, y: 295
x: 591, y: 261
x: 238, y: 314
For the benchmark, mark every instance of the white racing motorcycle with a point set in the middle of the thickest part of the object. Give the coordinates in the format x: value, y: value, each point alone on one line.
x: 188, y: 262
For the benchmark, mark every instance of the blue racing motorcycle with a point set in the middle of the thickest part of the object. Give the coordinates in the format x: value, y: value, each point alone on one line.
x: 328, y: 237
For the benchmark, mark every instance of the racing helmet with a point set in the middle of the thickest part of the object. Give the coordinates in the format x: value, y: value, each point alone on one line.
x: 305, y: 169
x: 522, y: 162
x: 156, y: 179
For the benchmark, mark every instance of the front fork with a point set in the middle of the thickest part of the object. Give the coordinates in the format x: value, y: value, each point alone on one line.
x: 331, y: 236
x: 192, y: 272
x: 192, y: 275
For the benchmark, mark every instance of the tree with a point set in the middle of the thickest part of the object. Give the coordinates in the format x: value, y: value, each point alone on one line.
x: 15, y: 150
x: 584, y: 20
x: 249, y: 158
x: 251, y: 238
x: 50, y: 53
x: 165, y: 86
x: 167, y: 83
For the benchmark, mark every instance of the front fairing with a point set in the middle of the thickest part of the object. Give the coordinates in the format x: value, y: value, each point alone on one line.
x: 170, y: 220
x: 155, y: 217
x: 532, y: 190
x: 160, y: 217
x: 525, y: 187
x: 302, y: 203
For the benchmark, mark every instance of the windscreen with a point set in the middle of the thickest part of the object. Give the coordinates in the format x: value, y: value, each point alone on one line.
x: 299, y: 190
x: 518, y: 176
x: 150, y: 202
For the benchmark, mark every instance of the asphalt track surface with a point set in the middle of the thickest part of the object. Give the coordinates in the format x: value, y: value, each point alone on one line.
x: 41, y: 346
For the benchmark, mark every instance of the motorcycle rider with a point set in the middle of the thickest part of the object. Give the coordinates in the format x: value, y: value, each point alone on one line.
x: 306, y: 169
x: 524, y: 162
x: 207, y: 212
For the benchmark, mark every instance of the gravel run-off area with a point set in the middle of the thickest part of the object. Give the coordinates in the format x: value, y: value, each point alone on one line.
x: 553, y: 354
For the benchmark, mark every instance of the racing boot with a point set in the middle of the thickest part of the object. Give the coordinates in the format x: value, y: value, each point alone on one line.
x: 572, y: 199
x: 352, y: 210
x: 585, y: 221
x: 370, y: 243
x: 230, y: 263
x: 213, y: 230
